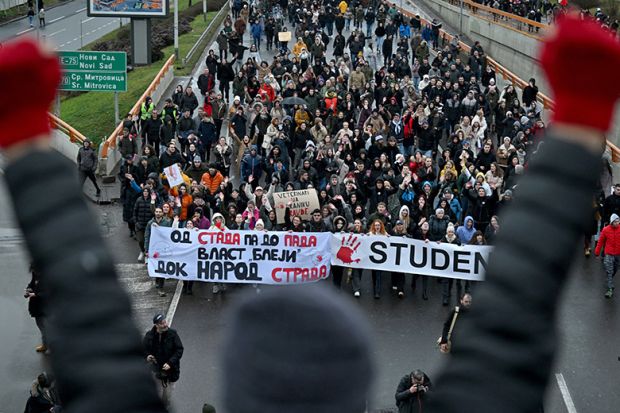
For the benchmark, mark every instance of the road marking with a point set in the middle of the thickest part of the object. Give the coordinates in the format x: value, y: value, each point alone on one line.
x: 56, y: 19
x: 80, y: 10
x: 175, y: 302
x: 55, y: 33
x: 87, y: 20
x: 25, y: 31
x: 568, y: 400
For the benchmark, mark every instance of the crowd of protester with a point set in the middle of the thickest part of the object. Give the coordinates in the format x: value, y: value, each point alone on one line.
x: 399, y: 132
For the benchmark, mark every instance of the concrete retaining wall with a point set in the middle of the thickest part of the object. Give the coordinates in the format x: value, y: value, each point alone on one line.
x: 509, y: 47
x: 63, y: 144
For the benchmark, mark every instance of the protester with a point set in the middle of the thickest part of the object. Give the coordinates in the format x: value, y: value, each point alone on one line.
x: 609, y: 243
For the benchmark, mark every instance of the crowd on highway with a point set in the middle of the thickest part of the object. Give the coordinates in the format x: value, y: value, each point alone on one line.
x: 416, y: 141
x: 399, y: 132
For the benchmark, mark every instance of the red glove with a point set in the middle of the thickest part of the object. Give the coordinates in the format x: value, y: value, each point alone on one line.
x: 581, y: 60
x: 30, y: 78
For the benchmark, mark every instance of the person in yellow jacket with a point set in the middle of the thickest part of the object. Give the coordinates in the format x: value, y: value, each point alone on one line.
x: 301, y: 116
x: 146, y: 110
x: 299, y: 46
x: 343, y: 6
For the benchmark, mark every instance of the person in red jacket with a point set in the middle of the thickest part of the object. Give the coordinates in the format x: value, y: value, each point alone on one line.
x: 609, y: 242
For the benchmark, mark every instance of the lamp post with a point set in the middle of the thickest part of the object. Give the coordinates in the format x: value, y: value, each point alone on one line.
x: 176, y: 29
x: 461, y: 20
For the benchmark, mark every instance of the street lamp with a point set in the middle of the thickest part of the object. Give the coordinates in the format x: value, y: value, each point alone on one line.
x: 176, y: 29
x: 461, y: 20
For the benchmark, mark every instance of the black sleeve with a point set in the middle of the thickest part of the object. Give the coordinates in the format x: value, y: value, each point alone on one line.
x: 446, y: 327
x: 99, y: 365
x: 511, y: 338
x: 402, y: 392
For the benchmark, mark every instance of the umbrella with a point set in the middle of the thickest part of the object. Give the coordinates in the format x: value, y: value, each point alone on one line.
x: 293, y: 100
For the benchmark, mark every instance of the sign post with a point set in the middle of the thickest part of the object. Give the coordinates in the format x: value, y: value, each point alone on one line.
x: 94, y: 71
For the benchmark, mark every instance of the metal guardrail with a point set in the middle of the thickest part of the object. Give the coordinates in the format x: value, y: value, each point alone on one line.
x: 214, y: 22
x: 519, y: 21
x: 545, y: 100
x: 110, y: 142
x: 74, y: 135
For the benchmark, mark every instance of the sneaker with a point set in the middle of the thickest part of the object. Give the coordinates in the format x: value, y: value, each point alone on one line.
x: 162, y: 293
x: 609, y: 293
x: 141, y: 257
x: 357, y: 294
x: 587, y: 252
x: 394, y: 288
x: 377, y: 296
x: 216, y: 289
x: 41, y: 348
x: 401, y: 294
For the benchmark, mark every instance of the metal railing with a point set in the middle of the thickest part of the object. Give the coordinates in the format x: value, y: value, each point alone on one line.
x: 497, y: 16
x: 216, y: 21
x: 74, y: 135
x: 110, y: 142
x: 507, y: 75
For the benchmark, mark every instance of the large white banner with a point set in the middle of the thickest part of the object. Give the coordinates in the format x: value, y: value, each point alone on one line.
x: 410, y: 256
x: 239, y: 256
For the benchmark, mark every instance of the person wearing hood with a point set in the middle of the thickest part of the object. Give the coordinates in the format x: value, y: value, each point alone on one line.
x: 252, y: 166
x: 339, y: 225
x: 609, y: 243
x: 466, y: 231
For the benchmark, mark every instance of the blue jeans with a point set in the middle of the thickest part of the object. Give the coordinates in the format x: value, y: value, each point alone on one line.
x: 380, y: 43
x: 368, y: 29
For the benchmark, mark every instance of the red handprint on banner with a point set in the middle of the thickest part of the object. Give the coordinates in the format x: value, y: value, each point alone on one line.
x: 348, y: 247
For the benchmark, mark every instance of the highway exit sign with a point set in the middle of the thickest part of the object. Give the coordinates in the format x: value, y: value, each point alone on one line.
x: 93, y: 71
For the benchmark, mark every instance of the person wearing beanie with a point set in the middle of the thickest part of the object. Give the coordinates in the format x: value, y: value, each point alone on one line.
x: 297, y: 349
x: 609, y: 243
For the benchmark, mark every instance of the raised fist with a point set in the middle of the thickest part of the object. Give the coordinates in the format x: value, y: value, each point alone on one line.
x: 581, y: 61
x: 30, y: 77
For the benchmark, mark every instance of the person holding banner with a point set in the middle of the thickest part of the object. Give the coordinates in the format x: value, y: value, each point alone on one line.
x: 446, y: 283
x: 217, y: 224
x: 159, y: 220
x: 398, y: 278
x: 377, y: 228
x: 421, y: 233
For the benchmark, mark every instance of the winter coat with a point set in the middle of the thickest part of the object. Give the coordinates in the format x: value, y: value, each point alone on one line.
x: 437, y: 227
x: 142, y: 213
x: 609, y: 241
x: 408, y: 402
x: 166, y: 348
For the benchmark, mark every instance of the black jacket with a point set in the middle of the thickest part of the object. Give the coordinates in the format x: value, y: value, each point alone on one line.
x: 408, y: 402
x: 166, y: 348
x: 142, y: 213
x: 115, y: 365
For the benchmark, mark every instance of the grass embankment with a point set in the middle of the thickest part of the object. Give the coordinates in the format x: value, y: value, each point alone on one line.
x: 92, y: 113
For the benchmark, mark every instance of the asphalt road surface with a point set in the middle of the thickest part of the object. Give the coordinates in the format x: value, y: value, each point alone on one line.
x: 68, y: 27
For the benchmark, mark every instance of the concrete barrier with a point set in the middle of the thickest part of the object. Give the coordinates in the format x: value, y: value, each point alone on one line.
x: 510, y: 47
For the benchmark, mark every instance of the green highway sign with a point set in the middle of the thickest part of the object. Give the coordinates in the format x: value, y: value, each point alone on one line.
x: 94, y: 71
